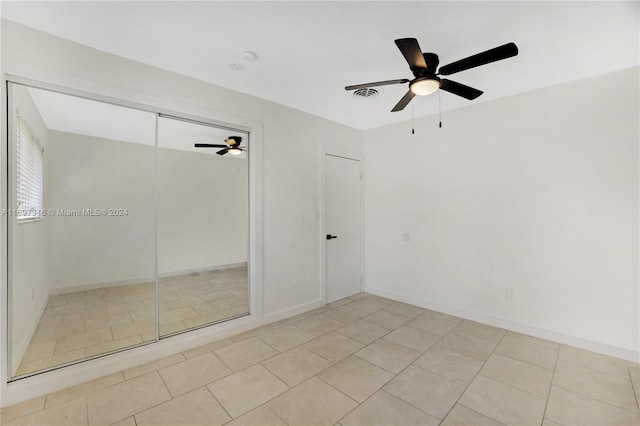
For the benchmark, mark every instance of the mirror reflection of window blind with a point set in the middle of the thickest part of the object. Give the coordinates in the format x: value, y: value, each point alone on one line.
x: 29, y: 174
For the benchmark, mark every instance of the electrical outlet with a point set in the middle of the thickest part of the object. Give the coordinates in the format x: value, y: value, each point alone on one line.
x: 406, y: 236
x: 507, y: 294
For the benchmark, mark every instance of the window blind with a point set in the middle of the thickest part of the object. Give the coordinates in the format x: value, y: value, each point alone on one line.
x: 29, y: 174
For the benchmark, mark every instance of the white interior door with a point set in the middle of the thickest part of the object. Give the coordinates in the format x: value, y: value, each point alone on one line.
x: 343, y: 226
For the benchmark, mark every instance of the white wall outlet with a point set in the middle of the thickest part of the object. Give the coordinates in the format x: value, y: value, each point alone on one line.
x: 507, y: 294
x: 406, y: 236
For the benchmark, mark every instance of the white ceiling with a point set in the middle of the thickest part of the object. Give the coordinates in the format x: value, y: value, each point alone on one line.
x: 308, y: 51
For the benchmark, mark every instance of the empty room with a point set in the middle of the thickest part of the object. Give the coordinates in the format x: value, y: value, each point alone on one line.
x: 320, y: 213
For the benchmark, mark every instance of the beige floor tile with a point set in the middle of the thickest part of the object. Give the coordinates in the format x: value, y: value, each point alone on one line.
x: 129, y: 421
x: 216, y: 295
x: 482, y: 331
x: 83, y: 389
x: 387, y: 319
x: 464, y: 344
x: 242, y: 392
x: 339, y: 303
x: 107, y: 321
x: 142, y: 314
x: 503, y: 403
x: 168, y: 317
x: 512, y: 337
x: 570, y: 408
x: 183, y: 302
x: 594, y: 361
x: 463, y: 416
x: 172, y: 327
x: 71, y: 413
x: 236, y: 311
x: 193, y: 373
x: 152, y: 366
x: 452, y: 365
x: 386, y: 354
x: 117, y: 308
x: 22, y: 409
x: 312, y: 403
x: 413, y: 338
x: 439, y: 326
x: 345, y: 314
x: 363, y: 331
x: 82, y: 340
x: 384, y: 409
x: 296, y: 365
x: 370, y: 305
x: 518, y: 374
x: 285, y: 338
x: 356, y: 377
x: 604, y: 387
x: 54, y: 331
x: 39, y: 350
x: 318, y: 324
x: 261, y: 416
x: 334, y: 346
x: 252, y: 333
x: 209, y: 347
x: 429, y: 392
x: 89, y: 313
x: 135, y: 328
x: 125, y: 399
x: 538, y: 355
x: 204, y: 319
x: 113, y: 345
x: 196, y: 408
x: 58, y: 359
x: 634, y: 373
x: 245, y: 353
x: 404, y: 309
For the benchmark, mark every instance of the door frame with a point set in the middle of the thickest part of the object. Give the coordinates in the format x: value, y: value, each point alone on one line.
x: 322, y: 214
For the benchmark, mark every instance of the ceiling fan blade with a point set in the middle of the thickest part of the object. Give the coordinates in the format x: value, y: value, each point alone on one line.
x: 411, y: 51
x: 223, y: 151
x: 376, y: 84
x: 497, y: 53
x: 209, y: 145
x: 460, y: 89
x: 404, y: 101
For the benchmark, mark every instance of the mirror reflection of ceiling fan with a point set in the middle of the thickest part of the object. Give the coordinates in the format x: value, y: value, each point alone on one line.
x: 424, y: 67
x: 232, y: 146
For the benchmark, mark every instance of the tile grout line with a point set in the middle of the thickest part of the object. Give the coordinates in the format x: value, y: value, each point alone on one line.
x: 553, y: 376
x: 474, y: 377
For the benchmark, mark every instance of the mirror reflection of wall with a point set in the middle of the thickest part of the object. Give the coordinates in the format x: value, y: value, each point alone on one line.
x: 202, y: 227
x: 92, y: 201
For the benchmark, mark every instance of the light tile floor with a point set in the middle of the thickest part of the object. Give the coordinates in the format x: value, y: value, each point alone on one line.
x: 87, y: 323
x: 363, y: 360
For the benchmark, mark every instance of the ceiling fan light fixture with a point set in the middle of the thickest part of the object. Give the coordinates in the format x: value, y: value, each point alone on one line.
x: 234, y: 151
x: 425, y: 85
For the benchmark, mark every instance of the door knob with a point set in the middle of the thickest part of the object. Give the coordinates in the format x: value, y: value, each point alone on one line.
x: 329, y: 236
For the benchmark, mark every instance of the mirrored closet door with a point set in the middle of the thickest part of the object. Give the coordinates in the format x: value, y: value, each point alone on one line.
x: 112, y: 214
x: 202, y: 225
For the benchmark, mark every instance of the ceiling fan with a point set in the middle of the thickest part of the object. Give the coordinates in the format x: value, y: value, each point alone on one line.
x: 232, y: 146
x: 424, y: 67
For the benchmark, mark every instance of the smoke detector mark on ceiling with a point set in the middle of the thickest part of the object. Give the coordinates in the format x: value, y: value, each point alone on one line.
x: 366, y: 93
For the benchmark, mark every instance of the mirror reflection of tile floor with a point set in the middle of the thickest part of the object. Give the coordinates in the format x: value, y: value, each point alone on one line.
x: 87, y: 323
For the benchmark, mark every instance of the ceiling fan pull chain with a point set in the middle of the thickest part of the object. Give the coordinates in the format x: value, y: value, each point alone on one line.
x: 413, y: 130
x: 440, y: 107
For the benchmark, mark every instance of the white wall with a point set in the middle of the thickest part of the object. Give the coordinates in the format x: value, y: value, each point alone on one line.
x: 29, y: 244
x: 85, y: 172
x: 203, y: 212
x: 536, y: 192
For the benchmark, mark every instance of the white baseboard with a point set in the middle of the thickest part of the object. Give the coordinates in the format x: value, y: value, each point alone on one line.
x: 289, y: 312
x: 134, y: 281
x: 554, y: 336
x: 24, y: 344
